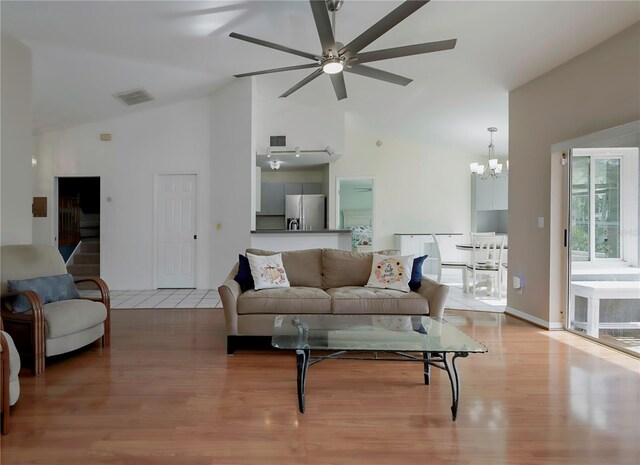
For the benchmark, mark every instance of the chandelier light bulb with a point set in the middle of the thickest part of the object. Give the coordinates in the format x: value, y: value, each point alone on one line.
x: 473, y: 167
x: 493, y: 163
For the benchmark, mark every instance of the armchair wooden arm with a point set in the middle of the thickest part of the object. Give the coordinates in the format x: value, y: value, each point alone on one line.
x: 105, y: 298
x: 27, y: 329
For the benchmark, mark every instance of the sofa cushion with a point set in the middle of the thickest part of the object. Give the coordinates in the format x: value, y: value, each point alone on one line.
x: 303, y: 267
x: 284, y: 300
x: 391, y: 272
x: 355, y: 300
x: 268, y: 271
x: 416, y: 273
x: 72, y: 316
x: 344, y: 268
x: 243, y: 276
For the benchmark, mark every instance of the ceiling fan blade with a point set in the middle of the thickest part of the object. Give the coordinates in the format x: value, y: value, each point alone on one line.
x: 378, y: 74
x: 378, y: 29
x: 405, y: 51
x: 304, y: 82
x: 277, y: 70
x: 323, y: 24
x: 265, y: 43
x: 338, y: 85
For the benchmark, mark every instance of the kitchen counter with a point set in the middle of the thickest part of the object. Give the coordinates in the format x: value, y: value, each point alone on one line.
x: 283, y: 239
x: 303, y: 231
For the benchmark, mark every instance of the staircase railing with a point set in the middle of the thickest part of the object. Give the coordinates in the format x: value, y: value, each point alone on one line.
x: 68, y: 221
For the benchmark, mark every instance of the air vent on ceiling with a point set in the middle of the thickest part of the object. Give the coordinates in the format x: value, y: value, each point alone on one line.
x: 277, y: 141
x: 133, y: 97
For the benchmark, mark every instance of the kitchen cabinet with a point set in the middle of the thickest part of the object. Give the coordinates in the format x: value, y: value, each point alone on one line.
x: 418, y: 245
x: 293, y: 188
x: 272, y: 195
x: 275, y: 191
x: 309, y: 188
x: 271, y: 199
x: 501, y: 193
x: 489, y: 204
x: 491, y: 194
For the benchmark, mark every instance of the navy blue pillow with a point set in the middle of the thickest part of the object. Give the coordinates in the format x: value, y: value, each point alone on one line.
x: 244, y: 277
x: 48, y: 288
x: 416, y: 273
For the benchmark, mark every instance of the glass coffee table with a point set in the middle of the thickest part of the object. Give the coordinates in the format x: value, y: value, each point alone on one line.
x: 431, y: 341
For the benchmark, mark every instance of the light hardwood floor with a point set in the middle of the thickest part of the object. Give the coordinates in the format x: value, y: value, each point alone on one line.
x: 166, y: 393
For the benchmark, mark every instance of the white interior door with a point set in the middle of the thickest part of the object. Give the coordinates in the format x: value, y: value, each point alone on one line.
x: 176, y: 231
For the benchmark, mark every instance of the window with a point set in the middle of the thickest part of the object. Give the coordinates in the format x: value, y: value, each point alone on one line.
x: 596, y: 190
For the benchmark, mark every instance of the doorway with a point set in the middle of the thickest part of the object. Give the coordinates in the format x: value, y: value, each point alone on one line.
x: 176, y: 237
x: 78, y: 219
x: 354, y: 210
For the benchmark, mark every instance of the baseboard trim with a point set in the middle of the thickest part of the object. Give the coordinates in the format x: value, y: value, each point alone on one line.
x: 551, y: 326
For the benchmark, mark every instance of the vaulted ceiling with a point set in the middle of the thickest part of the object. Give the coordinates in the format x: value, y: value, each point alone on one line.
x: 83, y: 52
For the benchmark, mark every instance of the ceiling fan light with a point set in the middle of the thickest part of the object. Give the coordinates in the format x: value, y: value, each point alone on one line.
x: 332, y: 66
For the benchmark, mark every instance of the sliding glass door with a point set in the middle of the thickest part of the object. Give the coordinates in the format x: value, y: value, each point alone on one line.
x: 604, y: 284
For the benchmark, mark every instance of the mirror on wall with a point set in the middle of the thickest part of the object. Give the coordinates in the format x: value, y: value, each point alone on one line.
x: 354, y: 210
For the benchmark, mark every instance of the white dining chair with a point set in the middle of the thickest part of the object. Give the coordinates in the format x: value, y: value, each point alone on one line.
x: 486, y: 260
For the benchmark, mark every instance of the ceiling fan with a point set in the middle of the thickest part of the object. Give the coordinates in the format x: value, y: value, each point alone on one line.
x: 337, y: 58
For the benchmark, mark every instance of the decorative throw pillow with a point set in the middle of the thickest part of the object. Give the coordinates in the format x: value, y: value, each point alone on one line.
x: 391, y: 272
x: 49, y: 289
x: 416, y: 273
x: 268, y: 271
x: 244, y: 277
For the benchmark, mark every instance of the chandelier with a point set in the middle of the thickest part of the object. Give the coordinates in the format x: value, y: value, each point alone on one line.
x: 491, y: 169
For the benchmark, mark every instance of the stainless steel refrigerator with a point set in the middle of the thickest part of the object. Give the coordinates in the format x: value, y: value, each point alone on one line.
x: 305, y: 212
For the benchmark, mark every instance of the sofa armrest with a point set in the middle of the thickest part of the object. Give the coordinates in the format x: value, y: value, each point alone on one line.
x: 229, y: 293
x: 436, y: 294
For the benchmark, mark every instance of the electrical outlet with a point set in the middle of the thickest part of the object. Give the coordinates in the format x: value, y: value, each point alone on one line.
x: 541, y: 222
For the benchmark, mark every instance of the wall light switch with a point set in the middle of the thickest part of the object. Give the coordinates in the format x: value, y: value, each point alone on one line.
x: 541, y: 222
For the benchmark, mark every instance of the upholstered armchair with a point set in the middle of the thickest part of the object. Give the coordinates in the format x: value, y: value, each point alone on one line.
x: 9, y: 382
x: 48, y: 328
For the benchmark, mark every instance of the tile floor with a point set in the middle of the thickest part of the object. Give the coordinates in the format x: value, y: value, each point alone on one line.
x: 164, y: 298
x: 208, y: 298
x: 464, y: 300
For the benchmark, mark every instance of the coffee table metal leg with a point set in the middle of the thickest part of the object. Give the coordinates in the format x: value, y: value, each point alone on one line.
x: 454, y: 380
x: 427, y: 356
x: 302, y: 362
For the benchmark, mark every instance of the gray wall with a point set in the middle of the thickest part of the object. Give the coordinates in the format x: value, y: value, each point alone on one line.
x: 596, y: 90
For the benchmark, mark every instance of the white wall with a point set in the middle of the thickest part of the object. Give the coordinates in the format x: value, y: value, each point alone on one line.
x: 308, y: 127
x: 170, y: 139
x: 419, y: 187
x: 595, y: 91
x: 16, y: 146
x: 232, y: 175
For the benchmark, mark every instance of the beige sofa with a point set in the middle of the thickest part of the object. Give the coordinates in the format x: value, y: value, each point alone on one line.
x: 323, y: 281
